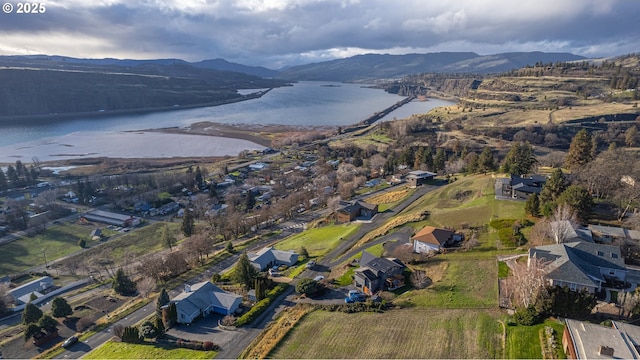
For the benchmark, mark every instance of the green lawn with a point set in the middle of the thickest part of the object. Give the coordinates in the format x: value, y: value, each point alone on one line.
x: 466, y: 283
x: 119, y: 350
x: 397, y: 334
x: 318, y: 241
x: 470, y: 200
x: 523, y: 342
x: 57, y: 241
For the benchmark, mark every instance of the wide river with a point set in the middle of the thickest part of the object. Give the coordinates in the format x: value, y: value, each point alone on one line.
x: 304, y: 104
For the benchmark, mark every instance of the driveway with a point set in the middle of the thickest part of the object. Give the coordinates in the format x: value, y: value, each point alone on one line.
x: 205, y: 329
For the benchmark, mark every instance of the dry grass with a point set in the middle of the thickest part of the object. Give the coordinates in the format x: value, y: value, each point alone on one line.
x: 389, y: 197
x: 275, y: 332
x: 408, y: 334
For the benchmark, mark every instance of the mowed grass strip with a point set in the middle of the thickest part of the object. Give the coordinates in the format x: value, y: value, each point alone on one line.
x: 120, y: 350
x: 318, y: 241
x: 408, y: 334
x: 465, y: 283
x: 523, y: 342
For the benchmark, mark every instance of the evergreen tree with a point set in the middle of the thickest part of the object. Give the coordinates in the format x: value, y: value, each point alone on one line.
x: 147, y: 330
x: 244, y: 273
x: 439, y: 160
x: 170, y: 316
x: 486, y: 162
x: 229, y: 247
x: 553, y: 187
x: 122, y: 284
x: 159, y: 325
x: 32, y: 330
x: 199, y: 178
x: 31, y: 314
x: 250, y: 201
x: 188, y: 223
x: 532, y: 207
x: 580, y: 151
x: 4, y: 185
x: 163, y: 299
x: 12, y: 175
x: 519, y: 160
x: 303, y: 252
x: 48, y: 323
x: 262, y: 284
x: 428, y: 158
x: 60, y: 307
x: 167, y: 238
x: 579, y: 199
x: 131, y: 335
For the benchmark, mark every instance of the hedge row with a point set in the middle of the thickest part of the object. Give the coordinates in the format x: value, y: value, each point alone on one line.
x: 367, y: 306
x: 196, y: 345
x: 261, y: 305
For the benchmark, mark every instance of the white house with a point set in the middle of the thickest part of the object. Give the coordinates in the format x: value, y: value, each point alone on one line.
x: 203, y: 299
x: 269, y: 256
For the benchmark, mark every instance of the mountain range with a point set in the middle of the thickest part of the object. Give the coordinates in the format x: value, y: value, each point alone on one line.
x: 40, y: 85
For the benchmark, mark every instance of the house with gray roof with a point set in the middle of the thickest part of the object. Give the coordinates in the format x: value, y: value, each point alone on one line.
x: 268, y: 257
x: 584, y: 340
x: 377, y: 273
x: 203, y: 299
x: 22, y: 294
x: 607, y: 234
x: 580, y: 265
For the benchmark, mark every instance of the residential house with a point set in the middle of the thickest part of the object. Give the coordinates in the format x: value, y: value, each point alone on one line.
x: 520, y: 188
x: 22, y: 294
x: 433, y: 239
x: 585, y: 340
x: 355, y: 210
x: 580, y: 265
x: 376, y: 274
x: 566, y: 231
x: 607, y: 234
x: 419, y: 177
x: 203, y: 299
x: 112, y: 218
x: 268, y: 257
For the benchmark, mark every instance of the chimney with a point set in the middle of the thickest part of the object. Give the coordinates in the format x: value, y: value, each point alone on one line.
x: 187, y: 288
x: 605, y: 351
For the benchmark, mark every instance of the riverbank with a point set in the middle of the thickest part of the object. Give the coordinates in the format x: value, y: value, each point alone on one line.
x: 49, y: 118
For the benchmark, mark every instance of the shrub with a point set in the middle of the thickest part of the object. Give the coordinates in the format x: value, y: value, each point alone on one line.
x: 526, y: 316
x: 261, y: 305
x: 196, y: 345
x: 82, y: 243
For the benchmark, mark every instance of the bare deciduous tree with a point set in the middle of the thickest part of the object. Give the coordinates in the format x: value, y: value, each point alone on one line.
x: 526, y: 281
x: 562, y: 223
x: 145, y: 286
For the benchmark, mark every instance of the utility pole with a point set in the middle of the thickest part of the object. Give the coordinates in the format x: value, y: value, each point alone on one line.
x: 45, y: 259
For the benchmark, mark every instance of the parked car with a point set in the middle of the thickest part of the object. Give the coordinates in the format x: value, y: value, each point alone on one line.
x: 318, y: 278
x: 70, y: 341
x: 355, y: 296
x: 310, y: 264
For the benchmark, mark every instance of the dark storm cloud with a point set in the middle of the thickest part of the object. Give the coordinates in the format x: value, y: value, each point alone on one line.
x: 277, y: 32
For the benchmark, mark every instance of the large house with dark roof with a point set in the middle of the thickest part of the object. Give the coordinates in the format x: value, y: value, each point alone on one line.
x: 355, y: 210
x: 580, y: 265
x: 377, y: 273
x: 520, y: 188
x: 203, y: 299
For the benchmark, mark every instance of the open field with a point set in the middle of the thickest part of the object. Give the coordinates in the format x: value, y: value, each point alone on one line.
x: 394, y: 334
x: 465, y: 283
x: 318, y: 241
x: 57, y: 241
x: 119, y: 350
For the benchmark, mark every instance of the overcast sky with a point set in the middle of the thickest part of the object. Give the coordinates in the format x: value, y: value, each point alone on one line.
x: 275, y: 33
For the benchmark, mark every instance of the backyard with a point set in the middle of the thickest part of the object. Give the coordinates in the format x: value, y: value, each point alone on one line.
x: 318, y: 241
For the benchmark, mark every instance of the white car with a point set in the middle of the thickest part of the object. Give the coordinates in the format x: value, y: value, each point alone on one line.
x: 318, y: 278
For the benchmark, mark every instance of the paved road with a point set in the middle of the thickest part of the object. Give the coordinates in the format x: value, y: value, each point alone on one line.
x: 246, y: 334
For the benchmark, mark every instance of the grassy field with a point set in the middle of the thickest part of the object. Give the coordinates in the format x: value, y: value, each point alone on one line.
x: 57, y: 241
x: 119, y: 350
x: 464, y: 283
x: 317, y: 241
x: 394, y: 334
x: 138, y: 242
x: 523, y: 342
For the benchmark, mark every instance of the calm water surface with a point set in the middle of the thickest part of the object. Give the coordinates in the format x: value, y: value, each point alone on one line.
x: 305, y: 103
